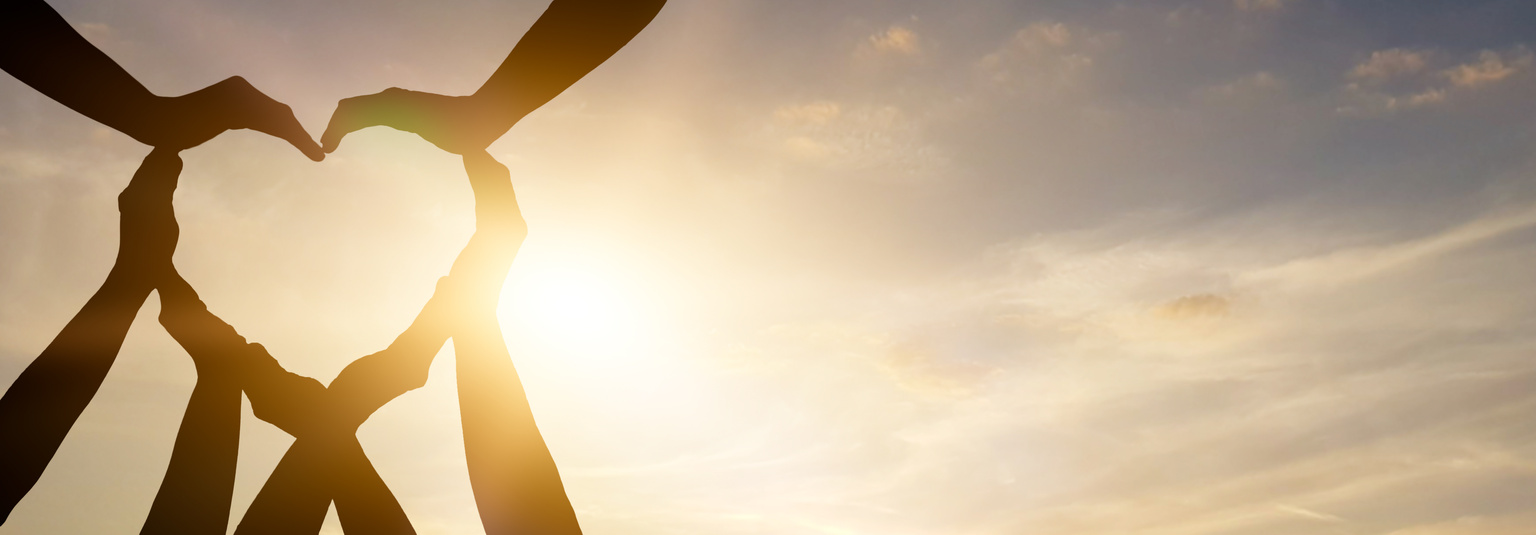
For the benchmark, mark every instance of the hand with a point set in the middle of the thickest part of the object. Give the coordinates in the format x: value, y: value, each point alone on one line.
x: 460, y: 125
x: 148, y: 221
x: 183, y: 122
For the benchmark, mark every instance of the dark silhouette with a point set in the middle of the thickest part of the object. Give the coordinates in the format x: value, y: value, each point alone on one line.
x: 42, y: 50
x: 515, y: 482
x: 570, y: 39
x: 39, y: 48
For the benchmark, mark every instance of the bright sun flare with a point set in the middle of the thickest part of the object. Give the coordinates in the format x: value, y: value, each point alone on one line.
x: 575, y: 304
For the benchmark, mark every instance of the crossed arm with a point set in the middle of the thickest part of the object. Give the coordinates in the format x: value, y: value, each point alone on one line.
x: 41, y: 49
x: 513, y: 475
x: 464, y: 306
x: 516, y: 484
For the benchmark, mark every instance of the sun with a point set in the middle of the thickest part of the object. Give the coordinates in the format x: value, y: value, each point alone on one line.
x: 577, y: 302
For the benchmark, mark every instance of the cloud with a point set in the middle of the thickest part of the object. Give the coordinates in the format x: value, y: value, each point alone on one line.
x: 1388, y: 64
x: 1260, y: 5
x: 897, y: 40
x: 833, y: 135
x: 1196, y: 306
x: 1349, y: 265
x: 1308, y: 513
x: 1490, y: 67
x: 1258, y: 84
x: 1398, y: 79
x: 819, y: 113
x: 1044, y: 57
x: 1123, y: 381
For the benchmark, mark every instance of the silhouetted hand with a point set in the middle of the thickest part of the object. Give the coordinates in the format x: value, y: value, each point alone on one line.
x: 189, y: 120
x: 460, y: 125
x: 148, y: 221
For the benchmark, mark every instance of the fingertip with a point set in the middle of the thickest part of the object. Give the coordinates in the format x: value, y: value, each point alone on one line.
x: 308, y: 146
x: 331, y: 138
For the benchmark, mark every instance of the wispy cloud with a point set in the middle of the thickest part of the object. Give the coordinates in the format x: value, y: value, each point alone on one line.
x: 1045, y: 57
x: 896, y: 39
x: 1399, y: 79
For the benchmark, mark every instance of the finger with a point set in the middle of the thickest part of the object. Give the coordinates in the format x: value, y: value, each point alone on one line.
x: 280, y: 122
x: 276, y: 119
x: 357, y: 113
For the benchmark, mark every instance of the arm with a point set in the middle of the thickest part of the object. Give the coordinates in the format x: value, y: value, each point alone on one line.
x: 328, y: 463
x: 39, y: 47
x: 517, y: 487
x: 38, y: 409
x: 195, y: 494
x: 471, y: 290
x: 516, y: 484
x: 325, y: 461
x: 570, y: 39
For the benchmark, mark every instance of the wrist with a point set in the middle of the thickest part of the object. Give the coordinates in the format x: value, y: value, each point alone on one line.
x: 496, y: 114
x: 127, y: 279
x: 140, y: 118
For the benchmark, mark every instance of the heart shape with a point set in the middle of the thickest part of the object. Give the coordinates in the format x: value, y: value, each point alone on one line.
x: 325, y: 462
x: 512, y: 475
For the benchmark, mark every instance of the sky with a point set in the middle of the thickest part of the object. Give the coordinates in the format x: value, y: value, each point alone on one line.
x: 865, y: 267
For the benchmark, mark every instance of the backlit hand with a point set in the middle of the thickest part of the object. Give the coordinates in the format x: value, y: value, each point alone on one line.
x: 179, y: 123
x: 149, y: 231
x: 460, y: 125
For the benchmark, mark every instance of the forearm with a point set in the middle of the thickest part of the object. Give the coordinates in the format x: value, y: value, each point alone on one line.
x: 296, y: 496
x: 473, y: 284
x: 194, y: 496
x: 481, y: 268
x: 516, y: 484
x: 41, y: 49
x: 570, y: 39
x: 64, y: 377
x: 364, y: 503
x: 40, y: 407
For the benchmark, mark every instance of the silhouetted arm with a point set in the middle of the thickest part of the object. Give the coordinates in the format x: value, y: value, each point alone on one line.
x: 296, y: 496
x: 42, y: 50
x: 39, y: 408
x: 516, y: 484
x: 195, y: 494
x: 328, y: 463
x: 472, y: 289
x: 570, y: 39
x: 325, y: 461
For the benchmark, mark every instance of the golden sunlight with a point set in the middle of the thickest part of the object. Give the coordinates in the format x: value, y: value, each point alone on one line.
x: 577, y: 302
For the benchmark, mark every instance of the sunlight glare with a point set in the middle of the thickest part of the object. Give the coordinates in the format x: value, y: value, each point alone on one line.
x: 577, y: 305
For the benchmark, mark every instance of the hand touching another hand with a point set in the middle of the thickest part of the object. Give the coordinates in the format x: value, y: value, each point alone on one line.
x: 179, y: 123
x: 148, y: 222
x: 460, y: 125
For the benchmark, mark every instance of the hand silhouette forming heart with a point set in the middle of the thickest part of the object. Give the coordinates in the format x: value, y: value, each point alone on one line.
x: 326, y: 462
x: 516, y: 486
